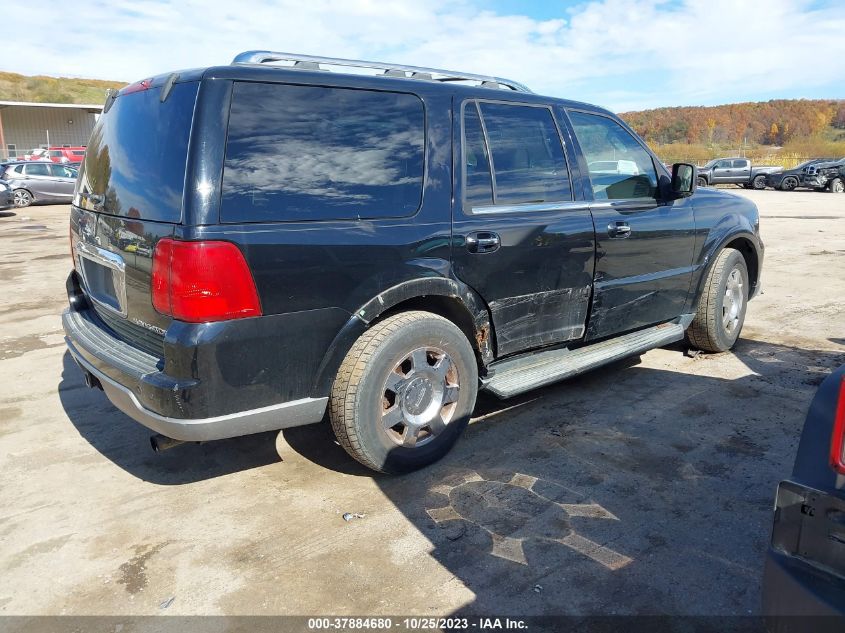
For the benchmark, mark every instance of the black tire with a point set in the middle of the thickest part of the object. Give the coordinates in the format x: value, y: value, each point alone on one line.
x: 22, y: 198
x: 701, y: 182
x: 789, y: 183
x: 835, y: 185
x: 361, y: 400
x: 759, y: 182
x: 709, y: 330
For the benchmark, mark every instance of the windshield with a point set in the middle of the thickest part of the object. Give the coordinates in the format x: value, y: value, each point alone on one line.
x: 135, y: 162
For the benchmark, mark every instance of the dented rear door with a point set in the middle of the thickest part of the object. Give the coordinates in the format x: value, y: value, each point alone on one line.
x: 520, y: 239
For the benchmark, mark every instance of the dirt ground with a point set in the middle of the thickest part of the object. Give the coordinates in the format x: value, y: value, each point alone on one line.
x: 640, y: 488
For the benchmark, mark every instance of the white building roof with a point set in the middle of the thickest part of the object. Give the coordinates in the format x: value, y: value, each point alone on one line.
x: 80, y: 106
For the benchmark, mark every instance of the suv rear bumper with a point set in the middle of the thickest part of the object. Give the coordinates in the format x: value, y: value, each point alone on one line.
x: 129, y: 376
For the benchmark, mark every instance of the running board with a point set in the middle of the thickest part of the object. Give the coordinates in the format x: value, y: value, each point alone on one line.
x: 518, y: 375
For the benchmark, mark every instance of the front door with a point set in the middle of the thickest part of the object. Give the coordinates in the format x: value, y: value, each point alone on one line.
x: 519, y: 238
x: 644, y: 241
x: 723, y: 172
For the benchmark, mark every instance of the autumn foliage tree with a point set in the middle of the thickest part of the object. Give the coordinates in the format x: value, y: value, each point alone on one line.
x: 771, y: 122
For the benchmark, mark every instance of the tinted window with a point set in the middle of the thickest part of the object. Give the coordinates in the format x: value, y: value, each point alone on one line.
x: 313, y: 153
x: 528, y: 162
x: 741, y: 163
x: 55, y: 153
x: 723, y: 164
x: 37, y: 169
x: 478, y: 184
x: 604, y: 141
x: 138, y: 151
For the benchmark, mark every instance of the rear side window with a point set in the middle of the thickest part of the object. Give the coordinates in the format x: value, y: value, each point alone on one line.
x: 528, y: 162
x: 315, y: 153
x: 38, y: 169
x: 512, y: 155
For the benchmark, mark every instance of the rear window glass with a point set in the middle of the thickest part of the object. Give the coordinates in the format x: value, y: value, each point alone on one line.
x: 315, y: 153
x: 137, y: 154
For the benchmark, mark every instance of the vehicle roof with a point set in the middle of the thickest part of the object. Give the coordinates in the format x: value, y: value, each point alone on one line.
x: 286, y: 74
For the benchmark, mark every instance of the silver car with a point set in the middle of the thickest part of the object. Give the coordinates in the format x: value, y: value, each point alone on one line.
x: 33, y: 182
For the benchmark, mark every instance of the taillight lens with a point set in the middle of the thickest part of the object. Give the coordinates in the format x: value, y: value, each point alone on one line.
x: 837, y: 440
x: 202, y: 281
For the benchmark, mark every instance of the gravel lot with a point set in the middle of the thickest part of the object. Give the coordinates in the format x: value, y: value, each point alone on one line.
x: 644, y: 487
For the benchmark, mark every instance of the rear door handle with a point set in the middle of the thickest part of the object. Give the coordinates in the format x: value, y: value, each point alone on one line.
x: 483, y: 242
x: 618, y: 230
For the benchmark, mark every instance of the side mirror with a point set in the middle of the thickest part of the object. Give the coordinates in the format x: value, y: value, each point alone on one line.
x: 683, y: 180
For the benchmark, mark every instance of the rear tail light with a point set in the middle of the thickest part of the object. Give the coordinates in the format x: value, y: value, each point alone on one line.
x: 202, y: 281
x: 837, y: 440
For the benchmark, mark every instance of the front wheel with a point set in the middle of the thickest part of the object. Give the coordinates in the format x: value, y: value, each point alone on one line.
x: 836, y: 186
x: 701, y: 182
x: 405, y: 392
x: 759, y: 182
x: 721, y: 307
x: 22, y: 198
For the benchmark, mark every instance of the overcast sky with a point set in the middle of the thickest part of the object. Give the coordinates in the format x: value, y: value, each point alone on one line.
x: 622, y: 54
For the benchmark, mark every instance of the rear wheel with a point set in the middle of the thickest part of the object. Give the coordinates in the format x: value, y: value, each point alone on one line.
x: 721, y: 308
x: 788, y: 184
x: 759, y: 182
x: 405, y: 392
x: 836, y: 186
x: 22, y: 198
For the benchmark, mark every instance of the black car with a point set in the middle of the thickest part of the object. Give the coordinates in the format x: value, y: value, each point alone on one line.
x: 789, y: 179
x: 805, y: 565
x: 378, y: 248
x: 39, y: 181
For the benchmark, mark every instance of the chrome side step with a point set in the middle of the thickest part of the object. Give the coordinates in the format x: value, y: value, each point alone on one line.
x: 518, y: 375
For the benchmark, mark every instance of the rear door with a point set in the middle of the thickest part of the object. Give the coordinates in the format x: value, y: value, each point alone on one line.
x: 520, y: 238
x: 741, y: 171
x: 64, y: 178
x: 644, y: 242
x: 39, y: 181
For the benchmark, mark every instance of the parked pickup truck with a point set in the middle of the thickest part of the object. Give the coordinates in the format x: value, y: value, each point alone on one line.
x: 734, y: 171
x: 377, y: 249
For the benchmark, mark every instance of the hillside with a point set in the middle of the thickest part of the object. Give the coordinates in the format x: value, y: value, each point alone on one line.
x: 41, y: 89
x: 790, y: 129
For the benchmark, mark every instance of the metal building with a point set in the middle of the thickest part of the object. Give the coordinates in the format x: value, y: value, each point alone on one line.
x: 25, y: 126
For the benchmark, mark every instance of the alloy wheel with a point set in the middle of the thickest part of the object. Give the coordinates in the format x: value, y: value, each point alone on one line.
x: 734, y: 299
x: 420, y: 397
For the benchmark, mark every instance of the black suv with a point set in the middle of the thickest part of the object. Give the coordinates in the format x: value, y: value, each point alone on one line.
x: 259, y: 245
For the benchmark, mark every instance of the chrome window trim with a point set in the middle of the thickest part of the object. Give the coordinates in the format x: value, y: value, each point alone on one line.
x: 531, y: 207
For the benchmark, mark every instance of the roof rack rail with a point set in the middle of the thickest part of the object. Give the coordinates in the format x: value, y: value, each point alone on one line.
x: 311, y: 62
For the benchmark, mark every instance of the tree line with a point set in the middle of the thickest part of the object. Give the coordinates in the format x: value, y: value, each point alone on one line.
x: 775, y: 122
